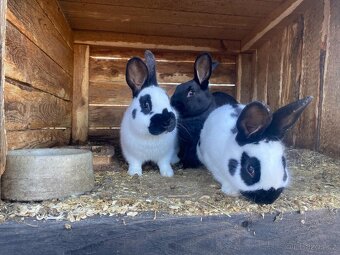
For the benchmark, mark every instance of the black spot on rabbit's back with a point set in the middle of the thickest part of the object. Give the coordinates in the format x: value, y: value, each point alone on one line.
x: 232, y: 166
x: 145, y: 104
x: 134, y: 111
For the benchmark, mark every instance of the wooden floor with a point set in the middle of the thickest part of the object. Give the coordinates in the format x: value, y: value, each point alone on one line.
x: 315, y: 232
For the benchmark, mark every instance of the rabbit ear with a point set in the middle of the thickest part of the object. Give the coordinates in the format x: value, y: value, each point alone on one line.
x: 151, y: 64
x: 252, y: 122
x: 203, y: 69
x: 285, y: 117
x: 136, y: 75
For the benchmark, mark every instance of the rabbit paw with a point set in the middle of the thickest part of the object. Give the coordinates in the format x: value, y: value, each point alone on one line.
x: 135, y: 170
x: 166, y: 171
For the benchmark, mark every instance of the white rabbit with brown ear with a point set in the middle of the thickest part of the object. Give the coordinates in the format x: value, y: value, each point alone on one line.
x: 148, y: 129
x: 241, y: 145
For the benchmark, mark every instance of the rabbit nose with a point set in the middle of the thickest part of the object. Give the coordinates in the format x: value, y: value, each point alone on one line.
x: 263, y: 196
x: 169, y: 122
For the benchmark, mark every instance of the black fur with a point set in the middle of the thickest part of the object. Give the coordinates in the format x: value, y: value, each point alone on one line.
x: 194, y: 103
x: 232, y: 166
x: 145, y: 104
x: 188, y: 133
x: 134, y: 111
x: 284, y: 163
x: 164, y: 122
x: 247, y: 164
x: 223, y: 98
x: 263, y: 196
x: 151, y: 65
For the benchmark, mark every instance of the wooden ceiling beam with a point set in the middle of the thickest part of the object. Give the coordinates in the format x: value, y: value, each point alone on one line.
x: 122, y: 40
x: 247, y: 8
x: 276, y: 17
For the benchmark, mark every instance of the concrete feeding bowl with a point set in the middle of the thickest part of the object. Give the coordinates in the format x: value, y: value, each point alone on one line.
x: 39, y: 174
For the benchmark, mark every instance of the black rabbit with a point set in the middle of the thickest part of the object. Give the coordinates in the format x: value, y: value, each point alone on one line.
x: 194, y: 103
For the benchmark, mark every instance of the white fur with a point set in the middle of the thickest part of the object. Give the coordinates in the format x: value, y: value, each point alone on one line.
x: 138, y: 145
x: 218, y: 146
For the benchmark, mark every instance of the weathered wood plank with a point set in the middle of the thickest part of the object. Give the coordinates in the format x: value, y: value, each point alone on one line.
x: 106, y: 116
x: 3, y: 139
x: 118, y: 93
x: 307, y: 127
x: 134, y: 15
x: 27, y: 63
x: 41, y: 138
x: 291, y: 73
x: 275, y: 17
x: 113, y: 70
x: 32, y: 21
x: 330, y: 124
x: 80, y: 93
x: 245, y: 75
x: 291, y: 70
x: 274, y: 79
x: 56, y: 15
x: 160, y: 54
x: 249, y: 8
x: 27, y: 108
x: 238, y: 234
x: 262, y: 72
x: 104, y: 135
x: 122, y: 40
x: 108, y: 107
x: 185, y: 31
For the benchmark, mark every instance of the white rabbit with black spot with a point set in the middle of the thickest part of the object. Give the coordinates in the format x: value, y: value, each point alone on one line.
x: 241, y: 145
x: 148, y: 129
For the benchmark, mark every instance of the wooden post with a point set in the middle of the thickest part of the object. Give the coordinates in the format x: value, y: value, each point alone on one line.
x: 3, y: 143
x: 329, y: 142
x: 80, y: 94
x: 245, y: 77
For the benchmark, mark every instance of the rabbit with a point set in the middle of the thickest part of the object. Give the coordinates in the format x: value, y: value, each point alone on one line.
x: 193, y: 102
x: 241, y: 146
x: 148, y: 129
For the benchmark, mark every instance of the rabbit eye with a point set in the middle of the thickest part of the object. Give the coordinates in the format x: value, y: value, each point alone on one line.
x: 146, y: 106
x: 191, y: 93
x: 251, y: 171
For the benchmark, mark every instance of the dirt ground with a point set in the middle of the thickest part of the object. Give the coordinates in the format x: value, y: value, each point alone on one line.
x: 315, y: 184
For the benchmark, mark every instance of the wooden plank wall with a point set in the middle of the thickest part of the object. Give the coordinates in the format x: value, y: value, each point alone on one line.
x: 330, y: 97
x: 301, y: 58
x: 3, y: 140
x: 109, y: 94
x: 39, y: 71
